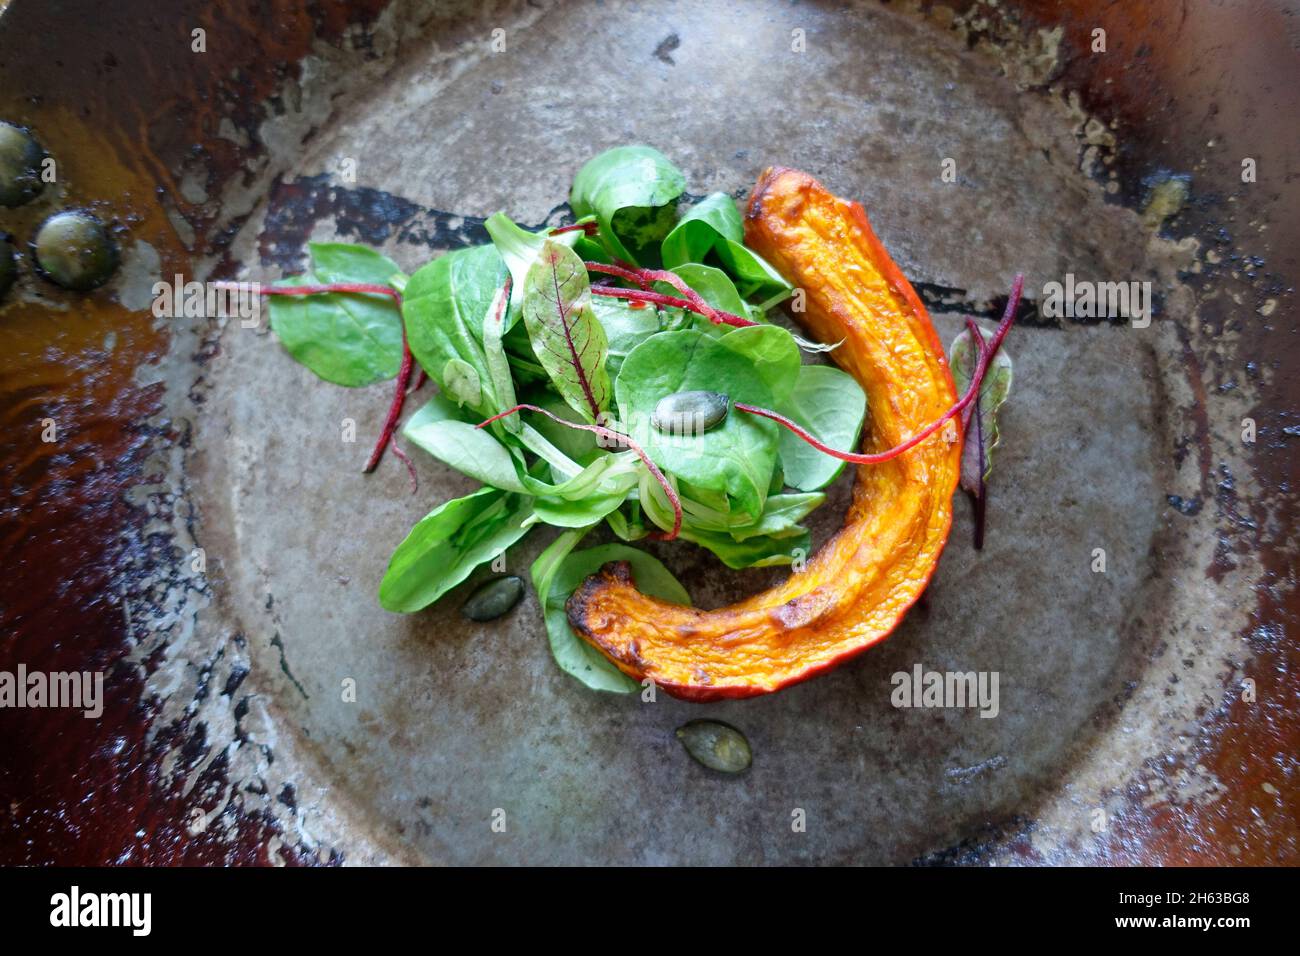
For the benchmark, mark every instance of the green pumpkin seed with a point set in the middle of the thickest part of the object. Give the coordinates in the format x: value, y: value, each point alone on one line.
x: 690, y: 413
x: 20, y: 165
x: 73, y: 249
x: 494, y: 599
x: 8, y: 264
x: 717, y: 745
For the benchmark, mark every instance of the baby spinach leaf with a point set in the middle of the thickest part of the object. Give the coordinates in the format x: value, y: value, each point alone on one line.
x: 470, y: 450
x: 345, y: 338
x: 831, y: 405
x: 715, y: 500
x: 760, y: 551
x: 699, y: 229
x: 523, y: 363
x: 768, y: 551
x: 438, y: 408
x: 606, y: 475
x: 557, y: 573
x: 520, y: 248
x: 590, y: 250
x: 566, y: 337
x: 736, y: 538
x: 442, y: 429
x: 625, y: 328
x: 755, y: 278
x: 736, y: 457
x: 627, y: 522
x: 712, y: 228
x: 444, y: 306
x: 538, y: 444
x: 628, y: 190
x: 448, y: 543
x: 982, y: 426
x: 641, y: 230
x: 773, y: 352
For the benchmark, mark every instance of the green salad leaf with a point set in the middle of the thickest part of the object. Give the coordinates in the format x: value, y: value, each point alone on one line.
x: 736, y: 457
x: 519, y: 249
x: 472, y: 451
x: 760, y: 551
x: 448, y: 543
x: 712, y: 230
x: 345, y: 338
x: 774, y: 354
x: 701, y: 227
x: 715, y: 287
x: 444, y: 307
x: 567, y: 338
x: 831, y: 405
x: 580, y: 446
x: 625, y: 328
x: 982, y: 431
x: 781, y: 516
x: 628, y: 189
x: 498, y: 363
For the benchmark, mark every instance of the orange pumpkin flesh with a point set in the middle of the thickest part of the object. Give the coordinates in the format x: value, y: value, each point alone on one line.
x: 855, y: 590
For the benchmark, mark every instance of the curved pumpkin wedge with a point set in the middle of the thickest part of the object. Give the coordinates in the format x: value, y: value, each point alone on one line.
x: 855, y: 590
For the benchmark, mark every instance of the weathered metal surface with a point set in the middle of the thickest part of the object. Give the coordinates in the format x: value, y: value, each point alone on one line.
x: 1118, y: 690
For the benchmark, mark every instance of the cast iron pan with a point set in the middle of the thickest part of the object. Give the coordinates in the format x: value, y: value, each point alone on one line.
x: 1146, y: 711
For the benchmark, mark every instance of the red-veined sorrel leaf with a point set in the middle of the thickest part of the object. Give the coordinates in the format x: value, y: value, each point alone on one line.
x: 567, y: 338
x: 980, y: 417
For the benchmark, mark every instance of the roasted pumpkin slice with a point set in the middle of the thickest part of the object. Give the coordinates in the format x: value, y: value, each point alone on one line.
x: 854, y: 591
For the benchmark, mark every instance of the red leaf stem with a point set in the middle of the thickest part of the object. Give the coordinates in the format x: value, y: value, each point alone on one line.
x: 637, y: 295
x: 977, y: 379
x: 589, y: 228
x: 403, y: 371
x: 647, y: 277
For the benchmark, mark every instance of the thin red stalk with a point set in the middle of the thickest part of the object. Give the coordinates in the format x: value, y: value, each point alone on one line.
x: 971, y: 418
x: 406, y: 460
x: 353, y: 287
x: 636, y: 295
x: 609, y: 433
x: 394, y: 407
x: 977, y: 379
x: 623, y: 271
x: 981, y: 350
x: 403, y: 371
x: 590, y: 228
x: 647, y: 277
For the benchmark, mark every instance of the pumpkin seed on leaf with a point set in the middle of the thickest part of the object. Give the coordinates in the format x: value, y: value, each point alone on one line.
x: 690, y: 413
x: 716, y: 745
